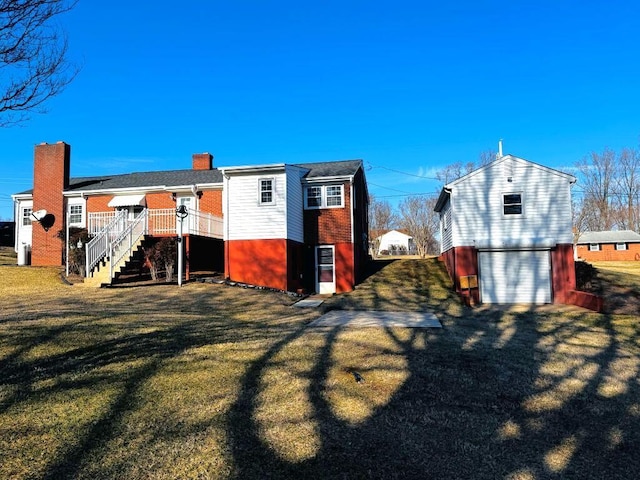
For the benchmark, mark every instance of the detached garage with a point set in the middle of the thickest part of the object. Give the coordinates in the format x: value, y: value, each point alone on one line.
x: 508, y: 276
x: 506, y: 233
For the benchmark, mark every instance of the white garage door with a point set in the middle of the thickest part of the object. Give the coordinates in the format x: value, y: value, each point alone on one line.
x: 515, y: 276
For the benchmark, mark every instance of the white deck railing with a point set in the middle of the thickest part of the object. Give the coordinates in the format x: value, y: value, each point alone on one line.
x: 113, y: 233
x: 98, y: 247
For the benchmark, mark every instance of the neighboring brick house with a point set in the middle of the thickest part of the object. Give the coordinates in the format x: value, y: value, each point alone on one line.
x: 611, y: 245
x: 289, y: 227
x: 506, y: 234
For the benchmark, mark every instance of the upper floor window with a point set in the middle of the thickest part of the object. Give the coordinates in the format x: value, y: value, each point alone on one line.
x: 594, y: 247
x: 512, y: 203
x: 266, y: 191
x: 75, y: 214
x: 324, y: 196
x: 26, y: 216
x: 621, y: 246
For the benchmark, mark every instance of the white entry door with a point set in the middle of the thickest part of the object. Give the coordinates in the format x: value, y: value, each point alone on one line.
x: 189, y: 221
x: 325, y: 269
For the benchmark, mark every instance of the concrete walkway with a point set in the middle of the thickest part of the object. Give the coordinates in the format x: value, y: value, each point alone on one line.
x: 363, y: 319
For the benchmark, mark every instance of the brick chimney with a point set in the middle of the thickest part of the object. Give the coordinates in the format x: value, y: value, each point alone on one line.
x: 202, y: 161
x: 50, y: 179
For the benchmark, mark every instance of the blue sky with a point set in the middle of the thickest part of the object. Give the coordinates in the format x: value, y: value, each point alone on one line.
x: 406, y: 86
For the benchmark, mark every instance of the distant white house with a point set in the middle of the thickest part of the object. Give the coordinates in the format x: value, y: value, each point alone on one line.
x: 394, y: 242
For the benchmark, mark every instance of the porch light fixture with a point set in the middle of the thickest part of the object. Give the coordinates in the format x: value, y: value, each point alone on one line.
x: 181, y: 214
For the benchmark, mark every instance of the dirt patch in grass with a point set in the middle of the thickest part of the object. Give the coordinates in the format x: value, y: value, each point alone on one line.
x: 211, y: 381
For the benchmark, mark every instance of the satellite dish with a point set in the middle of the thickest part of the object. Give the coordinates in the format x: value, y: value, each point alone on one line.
x: 39, y: 214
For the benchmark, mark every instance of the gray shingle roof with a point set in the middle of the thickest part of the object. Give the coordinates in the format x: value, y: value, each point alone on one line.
x: 168, y: 178
x: 609, y: 236
x: 331, y: 169
x: 174, y: 178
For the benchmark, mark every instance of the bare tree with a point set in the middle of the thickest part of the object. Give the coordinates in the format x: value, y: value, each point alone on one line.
x: 486, y: 157
x: 598, y: 178
x: 422, y: 223
x: 381, y: 217
x: 628, y: 189
x: 454, y: 171
x: 33, y: 51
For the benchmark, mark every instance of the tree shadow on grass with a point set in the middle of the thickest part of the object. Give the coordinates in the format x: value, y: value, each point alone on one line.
x: 497, y: 396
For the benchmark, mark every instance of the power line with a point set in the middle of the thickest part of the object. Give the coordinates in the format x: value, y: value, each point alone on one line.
x: 402, y: 173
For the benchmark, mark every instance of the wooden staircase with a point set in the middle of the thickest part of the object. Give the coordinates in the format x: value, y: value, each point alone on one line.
x: 102, y: 274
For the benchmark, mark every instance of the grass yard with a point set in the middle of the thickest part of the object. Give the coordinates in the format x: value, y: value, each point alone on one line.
x: 210, y: 381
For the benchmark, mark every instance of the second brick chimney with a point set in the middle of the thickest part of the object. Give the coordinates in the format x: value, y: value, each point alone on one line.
x: 202, y: 161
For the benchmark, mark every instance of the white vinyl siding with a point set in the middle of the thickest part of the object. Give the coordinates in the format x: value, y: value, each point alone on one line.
x: 445, y: 228
x: 245, y: 217
x: 515, y: 276
x: 477, y: 201
x: 295, y: 204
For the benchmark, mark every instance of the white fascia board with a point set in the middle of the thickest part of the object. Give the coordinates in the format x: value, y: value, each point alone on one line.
x: 22, y: 196
x: 149, y: 189
x: 252, y: 169
x: 340, y: 178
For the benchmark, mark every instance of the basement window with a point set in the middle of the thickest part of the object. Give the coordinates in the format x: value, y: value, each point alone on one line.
x: 512, y: 203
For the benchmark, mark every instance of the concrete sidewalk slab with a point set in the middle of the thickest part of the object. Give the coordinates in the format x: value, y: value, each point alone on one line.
x: 353, y: 318
x: 309, y: 303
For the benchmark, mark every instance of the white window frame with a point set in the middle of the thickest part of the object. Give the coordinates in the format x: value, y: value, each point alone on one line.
x: 324, y: 196
x: 72, y: 214
x: 504, y: 205
x: 25, y: 214
x: 594, y: 247
x: 621, y: 246
x: 272, y: 190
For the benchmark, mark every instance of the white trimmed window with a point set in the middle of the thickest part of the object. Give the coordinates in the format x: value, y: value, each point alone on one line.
x: 266, y: 191
x: 26, y: 216
x: 594, y: 247
x: 75, y: 214
x: 324, y: 196
x: 512, y: 203
x: 621, y: 246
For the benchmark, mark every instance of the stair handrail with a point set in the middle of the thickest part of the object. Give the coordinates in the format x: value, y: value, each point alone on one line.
x: 98, y: 246
x: 122, y: 245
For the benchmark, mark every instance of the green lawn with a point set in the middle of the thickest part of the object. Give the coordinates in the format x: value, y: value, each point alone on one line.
x: 210, y: 381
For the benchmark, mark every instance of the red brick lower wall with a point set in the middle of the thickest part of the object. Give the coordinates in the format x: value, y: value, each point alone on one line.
x: 279, y: 263
x: 273, y: 263
x: 563, y: 273
x: 345, y: 267
x: 463, y: 261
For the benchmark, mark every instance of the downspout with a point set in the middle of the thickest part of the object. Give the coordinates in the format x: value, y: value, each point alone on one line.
x: 225, y: 233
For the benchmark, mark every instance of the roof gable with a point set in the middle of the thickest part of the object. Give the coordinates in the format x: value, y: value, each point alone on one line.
x: 497, y: 163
